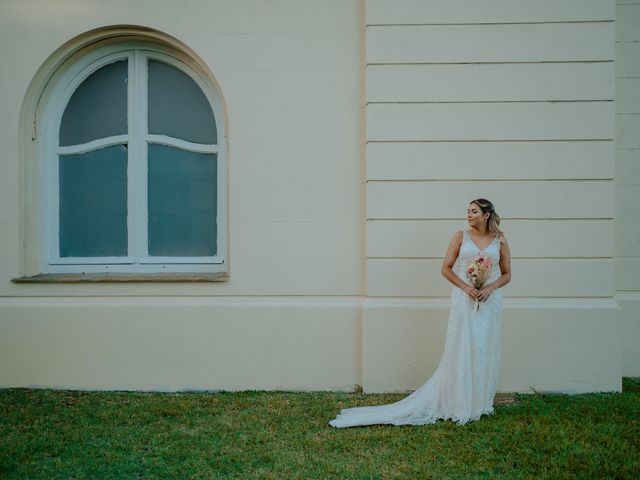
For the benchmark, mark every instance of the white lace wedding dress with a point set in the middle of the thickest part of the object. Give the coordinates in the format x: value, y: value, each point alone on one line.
x: 464, y: 384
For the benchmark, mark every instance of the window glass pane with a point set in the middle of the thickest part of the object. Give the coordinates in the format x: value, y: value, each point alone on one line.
x: 98, y: 107
x: 182, y: 202
x: 177, y: 106
x: 93, y: 203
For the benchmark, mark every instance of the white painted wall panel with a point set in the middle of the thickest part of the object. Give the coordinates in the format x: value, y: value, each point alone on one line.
x: 162, y: 13
x: 628, y: 94
x: 627, y: 64
x: 628, y: 166
x: 630, y: 320
x: 628, y: 275
x: 490, y: 82
x: 530, y: 278
x: 301, y: 202
x: 9, y: 241
x: 12, y: 89
x: 294, y: 126
x: 300, y: 240
x: 489, y: 160
x: 33, y: 51
x: 627, y: 131
x: 491, y: 43
x: 543, y: 200
x: 527, y: 238
x: 10, y: 268
x: 402, y: 344
x: 293, y: 276
x: 309, y: 50
x: 281, y: 16
x: 10, y: 167
x: 569, y: 348
x: 628, y: 203
x: 628, y: 23
x: 180, y: 343
x: 10, y: 204
x: 627, y: 225
x: 281, y: 88
x: 489, y: 121
x: 492, y: 11
x: 296, y: 164
x: 9, y: 131
x: 627, y: 238
x: 36, y: 19
x: 405, y: 339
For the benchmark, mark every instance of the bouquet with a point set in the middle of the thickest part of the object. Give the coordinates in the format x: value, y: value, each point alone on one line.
x: 478, y: 272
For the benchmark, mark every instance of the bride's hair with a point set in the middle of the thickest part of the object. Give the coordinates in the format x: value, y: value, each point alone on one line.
x: 493, y: 222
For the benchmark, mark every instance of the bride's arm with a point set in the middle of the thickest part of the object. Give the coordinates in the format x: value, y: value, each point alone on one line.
x: 505, y: 270
x: 449, y: 261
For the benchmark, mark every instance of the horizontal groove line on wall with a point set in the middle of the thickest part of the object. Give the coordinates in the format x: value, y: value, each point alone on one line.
x: 489, y: 141
x: 487, y: 62
x: 461, y: 219
x: 330, y: 301
x: 495, y: 180
x: 137, y: 299
x: 496, y: 140
x: 447, y: 24
x: 502, y: 218
x: 606, y: 100
x: 512, y: 258
x: 628, y: 294
x: 510, y: 303
x: 595, y: 298
x: 357, y: 301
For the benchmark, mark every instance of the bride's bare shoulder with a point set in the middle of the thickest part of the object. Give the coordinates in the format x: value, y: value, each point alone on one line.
x: 503, y: 238
x: 457, y: 237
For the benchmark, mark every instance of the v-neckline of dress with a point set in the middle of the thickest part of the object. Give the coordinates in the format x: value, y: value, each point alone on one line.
x: 476, y: 245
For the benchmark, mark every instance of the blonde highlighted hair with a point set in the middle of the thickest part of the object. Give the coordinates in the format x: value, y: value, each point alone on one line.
x: 493, y: 222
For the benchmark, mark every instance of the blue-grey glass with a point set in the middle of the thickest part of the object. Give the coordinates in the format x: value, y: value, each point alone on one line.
x: 93, y: 203
x: 177, y: 106
x: 182, y: 201
x: 98, y: 107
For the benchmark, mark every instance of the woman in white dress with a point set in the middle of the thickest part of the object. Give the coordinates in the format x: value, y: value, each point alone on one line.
x: 464, y: 384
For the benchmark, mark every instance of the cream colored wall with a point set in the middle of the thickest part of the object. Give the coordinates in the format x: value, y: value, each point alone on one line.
x: 507, y: 99
x: 492, y: 99
x: 291, y: 83
x: 181, y: 343
x: 628, y: 180
x: 289, y: 316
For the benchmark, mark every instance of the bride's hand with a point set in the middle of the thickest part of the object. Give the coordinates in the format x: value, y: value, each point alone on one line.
x: 484, y: 294
x: 472, y: 292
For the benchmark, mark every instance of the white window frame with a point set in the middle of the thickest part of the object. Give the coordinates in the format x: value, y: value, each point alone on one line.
x: 138, y: 261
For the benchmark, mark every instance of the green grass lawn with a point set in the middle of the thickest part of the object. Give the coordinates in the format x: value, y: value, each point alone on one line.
x: 63, y: 434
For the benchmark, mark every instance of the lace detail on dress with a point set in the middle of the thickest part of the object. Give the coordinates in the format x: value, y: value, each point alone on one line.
x: 464, y: 384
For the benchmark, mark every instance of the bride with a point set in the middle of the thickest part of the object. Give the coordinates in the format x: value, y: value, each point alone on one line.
x: 464, y: 384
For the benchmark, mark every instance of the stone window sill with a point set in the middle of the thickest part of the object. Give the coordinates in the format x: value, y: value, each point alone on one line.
x: 122, y: 277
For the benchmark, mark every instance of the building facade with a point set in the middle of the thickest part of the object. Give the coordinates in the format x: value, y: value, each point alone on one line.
x: 265, y: 198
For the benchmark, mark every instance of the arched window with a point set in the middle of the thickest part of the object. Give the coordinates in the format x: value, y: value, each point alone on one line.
x: 133, y: 165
